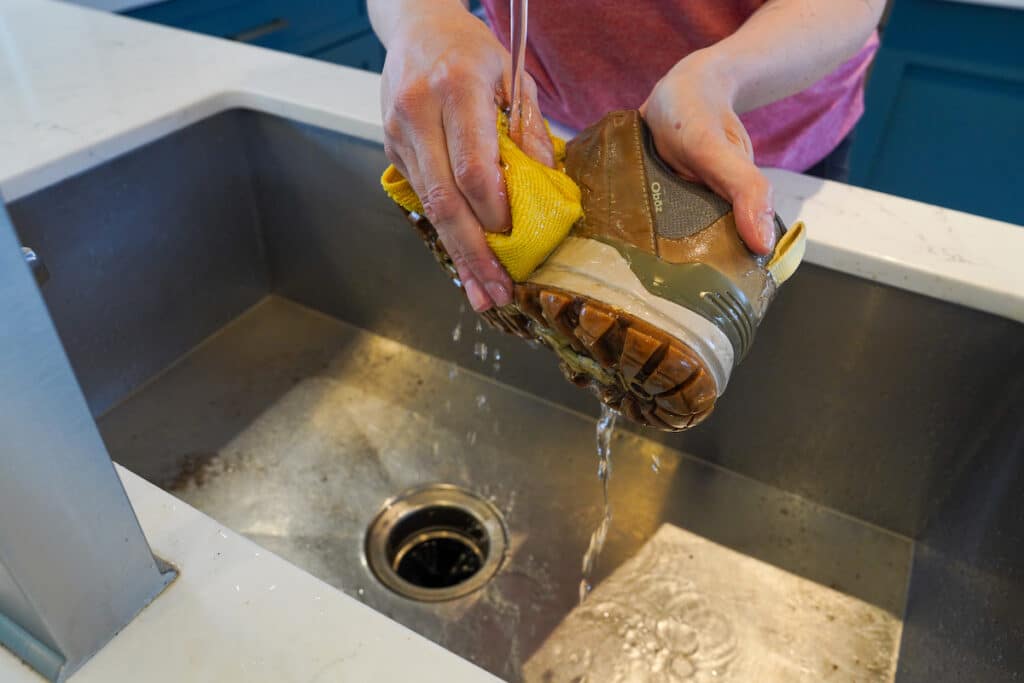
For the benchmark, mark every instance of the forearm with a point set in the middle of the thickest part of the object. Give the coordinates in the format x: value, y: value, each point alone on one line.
x: 387, y: 15
x: 786, y: 46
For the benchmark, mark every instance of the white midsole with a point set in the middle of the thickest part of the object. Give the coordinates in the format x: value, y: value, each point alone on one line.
x: 597, y: 270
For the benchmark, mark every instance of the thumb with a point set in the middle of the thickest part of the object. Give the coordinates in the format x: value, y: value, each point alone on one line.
x: 752, y: 200
x: 535, y: 139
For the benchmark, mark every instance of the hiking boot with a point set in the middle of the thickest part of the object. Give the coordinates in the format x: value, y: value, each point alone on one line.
x: 653, y: 298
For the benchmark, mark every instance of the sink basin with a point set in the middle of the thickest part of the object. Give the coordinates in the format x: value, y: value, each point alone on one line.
x: 257, y: 330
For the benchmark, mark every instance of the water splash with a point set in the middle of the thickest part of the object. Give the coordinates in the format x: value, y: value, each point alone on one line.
x: 480, y: 351
x: 655, y: 462
x: 648, y: 622
x: 605, y: 429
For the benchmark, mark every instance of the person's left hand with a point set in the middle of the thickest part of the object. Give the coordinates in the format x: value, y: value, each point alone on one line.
x: 698, y: 133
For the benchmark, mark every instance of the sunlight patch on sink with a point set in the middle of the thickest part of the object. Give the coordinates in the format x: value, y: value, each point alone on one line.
x: 687, y: 609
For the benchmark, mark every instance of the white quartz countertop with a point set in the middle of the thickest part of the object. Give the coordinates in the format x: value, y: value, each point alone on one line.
x: 80, y: 86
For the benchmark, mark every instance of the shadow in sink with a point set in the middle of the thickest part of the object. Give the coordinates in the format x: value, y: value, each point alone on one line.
x: 256, y: 329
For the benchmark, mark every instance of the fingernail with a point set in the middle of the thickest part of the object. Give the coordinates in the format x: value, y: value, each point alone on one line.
x: 499, y: 294
x: 766, y: 225
x: 477, y: 299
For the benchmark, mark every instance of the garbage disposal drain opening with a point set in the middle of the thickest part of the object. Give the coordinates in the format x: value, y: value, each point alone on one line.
x: 437, y: 547
x: 436, y: 543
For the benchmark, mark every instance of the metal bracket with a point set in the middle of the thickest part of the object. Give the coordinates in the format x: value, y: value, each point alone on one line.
x: 75, y: 567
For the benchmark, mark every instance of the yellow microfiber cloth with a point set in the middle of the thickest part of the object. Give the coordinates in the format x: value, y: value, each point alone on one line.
x: 545, y: 203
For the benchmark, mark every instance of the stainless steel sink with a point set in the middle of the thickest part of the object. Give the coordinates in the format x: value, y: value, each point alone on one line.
x: 257, y: 330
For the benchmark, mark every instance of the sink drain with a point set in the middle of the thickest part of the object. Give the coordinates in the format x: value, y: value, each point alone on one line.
x: 436, y: 543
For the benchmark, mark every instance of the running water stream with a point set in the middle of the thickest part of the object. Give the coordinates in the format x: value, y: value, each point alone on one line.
x: 605, y: 427
x: 517, y: 45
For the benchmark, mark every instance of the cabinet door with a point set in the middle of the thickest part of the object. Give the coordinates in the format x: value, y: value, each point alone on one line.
x: 945, y: 109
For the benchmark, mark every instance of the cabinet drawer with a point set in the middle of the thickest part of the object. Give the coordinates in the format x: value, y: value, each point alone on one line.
x: 299, y: 27
x: 362, y: 52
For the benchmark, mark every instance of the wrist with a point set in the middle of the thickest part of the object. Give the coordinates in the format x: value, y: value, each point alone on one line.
x: 714, y: 73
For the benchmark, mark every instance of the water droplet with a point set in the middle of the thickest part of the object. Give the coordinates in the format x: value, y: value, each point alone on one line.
x: 238, y: 588
x: 457, y: 332
x: 453, y: 372
x: 220, y: 532
x: 471, y: 438
x: 480, y: 351
x: 655, y: 462
x: 497, y: 354
x: 361, y: 592
x: 478, y: 327
x: 481, y: 402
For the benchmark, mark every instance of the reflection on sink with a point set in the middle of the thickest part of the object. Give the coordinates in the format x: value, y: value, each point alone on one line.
x: 257, y: 330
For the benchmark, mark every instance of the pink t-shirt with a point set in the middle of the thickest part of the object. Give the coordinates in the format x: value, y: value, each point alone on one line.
x: 589, y: 58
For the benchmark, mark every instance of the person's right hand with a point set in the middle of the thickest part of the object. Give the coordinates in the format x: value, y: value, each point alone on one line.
x: 444, y: 77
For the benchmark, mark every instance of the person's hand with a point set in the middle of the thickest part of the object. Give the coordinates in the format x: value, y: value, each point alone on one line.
x: 698, y: 133
x: 443, y: 77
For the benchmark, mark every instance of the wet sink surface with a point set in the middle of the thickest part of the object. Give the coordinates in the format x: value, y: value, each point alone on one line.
x: 330, y: 421
x: 257, y: 329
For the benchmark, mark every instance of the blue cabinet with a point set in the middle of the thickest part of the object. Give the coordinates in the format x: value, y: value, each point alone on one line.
x: 305, y: 27
x: 332, y: 30
x: 362, y: 51
x: 945, y: 109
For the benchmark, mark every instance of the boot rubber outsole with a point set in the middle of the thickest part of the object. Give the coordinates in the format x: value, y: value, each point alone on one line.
x: 632, y: 366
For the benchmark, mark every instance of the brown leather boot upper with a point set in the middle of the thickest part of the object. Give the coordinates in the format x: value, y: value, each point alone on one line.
x: 631, y: 196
